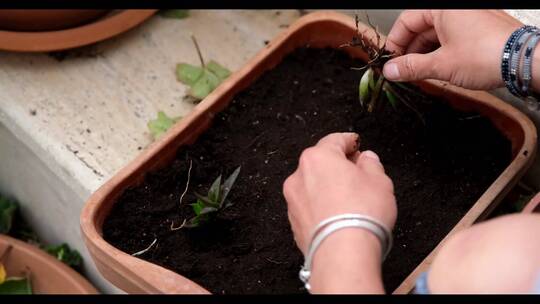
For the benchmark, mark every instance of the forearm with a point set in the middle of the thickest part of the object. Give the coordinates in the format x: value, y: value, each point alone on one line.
x: 536, y: 71
x: 348, y: 262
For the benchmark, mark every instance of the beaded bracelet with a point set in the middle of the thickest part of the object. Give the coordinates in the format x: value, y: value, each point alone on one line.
x: 508, y: 66
x: 516, y: 58
x: 527, y: 64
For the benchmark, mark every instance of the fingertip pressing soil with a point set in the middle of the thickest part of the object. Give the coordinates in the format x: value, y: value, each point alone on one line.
x: 439, y: 170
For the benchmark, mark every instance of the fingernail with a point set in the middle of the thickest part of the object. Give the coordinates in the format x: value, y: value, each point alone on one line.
x: 391, y: 71
x: 370, y: 154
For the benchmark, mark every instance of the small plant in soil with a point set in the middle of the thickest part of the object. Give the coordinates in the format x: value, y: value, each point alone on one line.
x: 207, y: 207
x: 373, y: 88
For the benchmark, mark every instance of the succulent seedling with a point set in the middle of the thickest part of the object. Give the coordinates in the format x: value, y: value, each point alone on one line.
x: 215, y: 201
x: 373, y: 88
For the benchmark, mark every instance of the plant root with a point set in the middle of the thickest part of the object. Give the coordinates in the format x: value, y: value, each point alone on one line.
x: 145, y: 250
x: 179, y: 227
x: 187, y: 182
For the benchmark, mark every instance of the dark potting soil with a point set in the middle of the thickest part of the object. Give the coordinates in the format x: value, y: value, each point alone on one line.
x: 439, y: 170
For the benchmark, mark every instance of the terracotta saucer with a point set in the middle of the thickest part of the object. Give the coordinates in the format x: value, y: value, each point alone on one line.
x: 111, y: 25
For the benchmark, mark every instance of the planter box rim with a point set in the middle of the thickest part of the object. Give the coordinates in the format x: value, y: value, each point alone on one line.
x: 166, y: 281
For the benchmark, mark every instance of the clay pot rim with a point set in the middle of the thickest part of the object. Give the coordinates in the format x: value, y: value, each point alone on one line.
x: 95, y: 31
x: 77, y: 280
x: 92, y: 231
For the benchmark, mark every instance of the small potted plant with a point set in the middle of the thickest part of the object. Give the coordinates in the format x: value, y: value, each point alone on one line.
x: 451, y: 165
x: 26, y: 269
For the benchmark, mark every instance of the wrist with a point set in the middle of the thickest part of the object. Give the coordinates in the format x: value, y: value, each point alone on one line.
x: 348, y: 261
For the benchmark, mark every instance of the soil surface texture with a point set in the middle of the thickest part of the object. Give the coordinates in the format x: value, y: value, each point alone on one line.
x: 439, y: 170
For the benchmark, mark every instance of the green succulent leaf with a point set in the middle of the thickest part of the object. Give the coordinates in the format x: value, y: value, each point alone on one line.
x: 188, y: 74
x: 391, y: 98
x: 228, y: 184
x: 14, y: 285
x: 371, y: 80
x: 174, y: 13
x: 363, y: 88
x: 220, y: 71
x: 161, y: 124
x: 65, y: 254
x: 198, y: 207
x: 7, y: 212
x: 207, y: 210
x: 206, y: 200
x: 214, y: 191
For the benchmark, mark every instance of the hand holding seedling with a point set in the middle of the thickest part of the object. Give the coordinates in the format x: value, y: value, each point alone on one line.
x: 333, y: 178
x: 461, y: 47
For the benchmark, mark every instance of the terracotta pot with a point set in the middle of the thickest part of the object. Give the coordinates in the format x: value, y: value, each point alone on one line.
x: 112, y: 24
x: 46, y: 19
x: 533, y: 206
x: 320, y: 29
x: 47, y: 274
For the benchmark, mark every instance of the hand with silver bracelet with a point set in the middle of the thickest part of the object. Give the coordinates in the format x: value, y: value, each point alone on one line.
x: 334, y: 178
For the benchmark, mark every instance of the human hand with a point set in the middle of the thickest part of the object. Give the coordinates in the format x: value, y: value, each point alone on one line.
x: 463, y: 47
x: 332, y: 178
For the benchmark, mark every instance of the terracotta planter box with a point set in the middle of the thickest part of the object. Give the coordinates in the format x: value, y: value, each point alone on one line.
x: 319, y: 29
x: 47, y: 274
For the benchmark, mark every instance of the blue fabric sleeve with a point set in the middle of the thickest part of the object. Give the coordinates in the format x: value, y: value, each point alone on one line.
x: 421, y: 284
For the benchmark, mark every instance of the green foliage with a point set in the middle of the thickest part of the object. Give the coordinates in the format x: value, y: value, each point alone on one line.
x: 174, y: 13
x: 161, y: 124
x: 216, y: 200
x: 201, y: 80
x: 15, y: 285
x: 369, y: 91
x: 65, y: 254
x: 7, y: 212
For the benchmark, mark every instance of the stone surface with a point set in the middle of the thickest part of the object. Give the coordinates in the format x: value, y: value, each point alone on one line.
x: 70, y: 120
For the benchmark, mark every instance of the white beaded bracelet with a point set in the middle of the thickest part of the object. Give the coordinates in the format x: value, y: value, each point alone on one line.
x: 335, y: 223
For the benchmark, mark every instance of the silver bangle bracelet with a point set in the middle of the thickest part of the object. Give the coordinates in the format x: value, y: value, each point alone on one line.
x: 333, y: 224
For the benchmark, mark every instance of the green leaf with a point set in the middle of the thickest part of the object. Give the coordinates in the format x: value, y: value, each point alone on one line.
x: 228, y: 184
x: 16, y: 286
x: 198, y: 207
x: 391, y: 98
x: 207, y: 210
x: 363, y: 88
x: 161, y: 124
x: 220, y: 71
x: 372, y: 80
x: 376, y: 94
x: 214, y: 191
x: 65, y: 254
x: 201, y: 80
x: 7, y: 212
x: 188, y: 74
x: 174, y: 13
x: 206, y: 201
x: 204, y: 85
